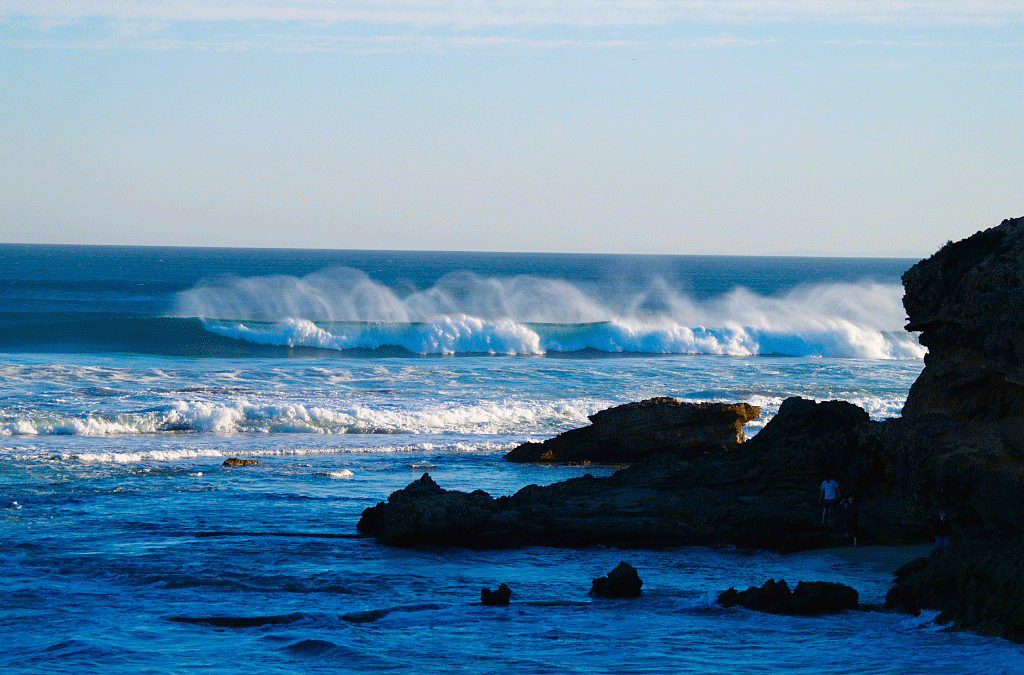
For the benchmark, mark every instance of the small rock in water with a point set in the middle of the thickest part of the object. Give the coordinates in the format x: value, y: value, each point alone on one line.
x: 234, y: 461
x: 621, y: 582
x: 496, y: 598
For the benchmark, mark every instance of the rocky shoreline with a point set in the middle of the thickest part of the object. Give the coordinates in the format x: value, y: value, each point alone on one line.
x: 693, y: 480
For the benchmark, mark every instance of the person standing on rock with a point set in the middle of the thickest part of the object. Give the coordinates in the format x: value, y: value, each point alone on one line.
x: 943, y: 530
x: 829, y: 498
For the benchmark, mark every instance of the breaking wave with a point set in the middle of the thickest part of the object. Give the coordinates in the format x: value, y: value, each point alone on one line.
x: 344, y: 310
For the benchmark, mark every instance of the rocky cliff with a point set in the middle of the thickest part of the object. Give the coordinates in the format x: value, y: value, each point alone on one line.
x: 967, y: 301
x: 632, y: 432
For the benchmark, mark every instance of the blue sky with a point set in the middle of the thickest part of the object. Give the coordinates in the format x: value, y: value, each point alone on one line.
x: 840, y: 127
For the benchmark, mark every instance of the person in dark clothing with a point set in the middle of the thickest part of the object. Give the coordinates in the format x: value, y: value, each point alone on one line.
x: 852, y: 518
x: 943, y: 530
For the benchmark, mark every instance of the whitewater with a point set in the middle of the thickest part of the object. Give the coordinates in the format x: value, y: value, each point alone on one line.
x: 128, y: 376
x: 465, y: 313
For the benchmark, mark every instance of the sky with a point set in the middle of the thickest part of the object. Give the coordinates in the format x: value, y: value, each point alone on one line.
x: 741, y: 127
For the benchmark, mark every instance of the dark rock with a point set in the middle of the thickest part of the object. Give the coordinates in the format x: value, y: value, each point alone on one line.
x: 631, y: 432
x: 965, y: 300
x: 621, y: 582
x: 761, y: 495
x: 975, y: 586
x: 496, y: 598
x: 234, y: 461
x: 809, y: 598
x: 423, y: 513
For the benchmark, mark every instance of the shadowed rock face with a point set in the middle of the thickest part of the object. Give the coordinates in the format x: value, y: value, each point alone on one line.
x: 763, y: 494
x: 978, y: 586
x: 631, y: 432
x: 500, y: 597
x: 621, y: 582
x: 967, y: 301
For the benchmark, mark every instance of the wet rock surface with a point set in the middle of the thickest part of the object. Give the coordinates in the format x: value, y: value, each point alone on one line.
x: 622, y: 582
x: 236, y: 462
x: 499, y: 597
x: 809, y: 598
x: 632, y: 432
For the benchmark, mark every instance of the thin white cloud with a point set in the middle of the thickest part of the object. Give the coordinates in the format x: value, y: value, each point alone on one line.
x: 494, y: 13
x: 910, y: 42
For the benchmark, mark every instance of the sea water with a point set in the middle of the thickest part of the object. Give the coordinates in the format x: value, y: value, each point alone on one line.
x: 128, y: 375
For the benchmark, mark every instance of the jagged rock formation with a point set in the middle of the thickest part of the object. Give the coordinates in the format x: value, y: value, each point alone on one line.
x: 500, y: 597
x: 763, y: 494
x: 423, y: 513
x: 629, y: 433
x: 809, y: 598
x: 966, y: 301
x: 621, y: 582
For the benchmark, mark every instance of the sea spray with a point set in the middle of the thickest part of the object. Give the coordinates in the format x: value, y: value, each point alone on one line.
x: 465, y: 313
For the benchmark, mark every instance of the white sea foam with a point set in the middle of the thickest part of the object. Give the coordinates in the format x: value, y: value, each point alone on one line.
x: 243, y: 416
x: 523, y: 418
x: 198, y: 454
x: 344, y: 473
x: 466, y: 313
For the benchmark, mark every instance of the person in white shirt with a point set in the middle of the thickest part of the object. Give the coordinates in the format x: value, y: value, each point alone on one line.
x: 829, y: 498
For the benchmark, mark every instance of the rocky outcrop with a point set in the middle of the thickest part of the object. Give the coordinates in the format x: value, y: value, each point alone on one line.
x: 809, y: 598
x: 631, y: 432
x: 621, y: 582
x: 966, y: 302
x: 763, y: 494
x: 235, y: 462
x: 500, y: 597
x: 423, y: 513
x: 976, y: 586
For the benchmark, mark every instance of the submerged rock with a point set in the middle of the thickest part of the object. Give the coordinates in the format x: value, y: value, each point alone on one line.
x: 496, y: 598
x: 621, y: 582
x: 234, y: 461
x: 809, y: 598
x: 634, y: 431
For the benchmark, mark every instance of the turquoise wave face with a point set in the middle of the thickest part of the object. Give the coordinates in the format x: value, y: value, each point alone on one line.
x: 466, y: 313
x: 463, y: 335
x: 457, y: 335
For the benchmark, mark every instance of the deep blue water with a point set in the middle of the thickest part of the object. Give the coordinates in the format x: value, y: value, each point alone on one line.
x: 128, y: 375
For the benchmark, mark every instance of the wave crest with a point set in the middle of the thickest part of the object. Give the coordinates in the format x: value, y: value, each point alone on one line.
x: 464, y: 313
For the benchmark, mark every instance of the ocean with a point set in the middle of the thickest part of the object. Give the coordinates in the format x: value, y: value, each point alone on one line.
x: 128, y: 375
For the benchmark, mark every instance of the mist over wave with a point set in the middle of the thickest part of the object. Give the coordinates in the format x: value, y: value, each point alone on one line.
x: 343, y: 309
